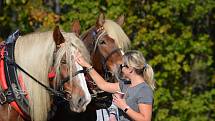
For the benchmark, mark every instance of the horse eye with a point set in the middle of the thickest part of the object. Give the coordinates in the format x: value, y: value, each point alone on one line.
x: 101, y: 42
x: 63, y: 62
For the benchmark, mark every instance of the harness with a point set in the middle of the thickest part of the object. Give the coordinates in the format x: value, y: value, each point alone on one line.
x: 13, y: 90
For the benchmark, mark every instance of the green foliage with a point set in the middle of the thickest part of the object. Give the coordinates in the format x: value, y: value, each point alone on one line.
x: 176, y: 37
x: 172, y: 36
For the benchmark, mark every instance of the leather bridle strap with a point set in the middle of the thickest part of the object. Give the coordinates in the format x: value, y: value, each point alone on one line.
x: 54, y: 92
x: 95, y: 40
x: 68, y: 77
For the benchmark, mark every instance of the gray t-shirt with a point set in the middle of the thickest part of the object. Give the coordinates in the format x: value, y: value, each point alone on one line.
x: 140, y: 93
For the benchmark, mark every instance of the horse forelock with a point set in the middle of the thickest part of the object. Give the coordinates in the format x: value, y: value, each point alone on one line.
x: 98, y: 38
x: 72, y: 43
x: 116, y: 32
x: 74, y: 40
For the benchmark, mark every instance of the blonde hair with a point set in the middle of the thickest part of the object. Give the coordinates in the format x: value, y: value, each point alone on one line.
x: 136, y: 60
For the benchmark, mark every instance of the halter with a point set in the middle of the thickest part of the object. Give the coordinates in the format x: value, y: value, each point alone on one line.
x: 66, y: 79
x: 100, y: 98
x: 96, y: 38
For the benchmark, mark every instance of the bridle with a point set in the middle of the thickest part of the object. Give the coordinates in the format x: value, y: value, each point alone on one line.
x: 97, y: 34
x: 66, y: 79
x: 100, y: 98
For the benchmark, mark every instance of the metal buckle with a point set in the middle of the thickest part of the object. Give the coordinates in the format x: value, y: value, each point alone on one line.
x: 3, y: 98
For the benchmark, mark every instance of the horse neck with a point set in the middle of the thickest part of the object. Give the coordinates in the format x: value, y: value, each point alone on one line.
x: 97, y: 60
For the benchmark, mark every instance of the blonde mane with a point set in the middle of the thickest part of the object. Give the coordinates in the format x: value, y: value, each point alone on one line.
x: 116, y: 32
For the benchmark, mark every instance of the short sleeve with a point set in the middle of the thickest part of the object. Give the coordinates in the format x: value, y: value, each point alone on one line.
x: 145, y: 95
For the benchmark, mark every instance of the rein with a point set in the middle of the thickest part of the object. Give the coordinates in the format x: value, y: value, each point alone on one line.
x: 54, y: 92
x: 68, y: 77
x: 13, y: 63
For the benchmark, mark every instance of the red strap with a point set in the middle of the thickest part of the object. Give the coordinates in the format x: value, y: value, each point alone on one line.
x: 3, y: 83
x: 52, y: 74
x: 20, y: 79
x: 16, y: 107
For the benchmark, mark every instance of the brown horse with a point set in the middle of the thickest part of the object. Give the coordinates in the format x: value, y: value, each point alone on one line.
x: 106, y: 42
x: 36, y: 54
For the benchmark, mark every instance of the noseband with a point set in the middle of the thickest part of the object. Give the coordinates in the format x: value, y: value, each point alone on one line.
x: 65, y: 80
x: 61, y: 88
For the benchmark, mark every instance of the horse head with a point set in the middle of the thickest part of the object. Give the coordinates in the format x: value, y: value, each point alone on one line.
x: 105, y: 45
x: 106, y: 42
x: 70, y: 78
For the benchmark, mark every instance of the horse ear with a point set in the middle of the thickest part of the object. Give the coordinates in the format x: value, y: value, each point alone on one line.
x: 58, y: 37
x: 120, y: 20
x: 76, y: 27
x: 100, y: 21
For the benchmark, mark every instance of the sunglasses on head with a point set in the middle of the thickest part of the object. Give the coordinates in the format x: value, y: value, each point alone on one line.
x: 123, y: 65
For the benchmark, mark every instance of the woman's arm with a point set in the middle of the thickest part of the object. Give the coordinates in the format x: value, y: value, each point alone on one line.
x: 101, y: 83
x: 145, y: 109
x: 144, y: 115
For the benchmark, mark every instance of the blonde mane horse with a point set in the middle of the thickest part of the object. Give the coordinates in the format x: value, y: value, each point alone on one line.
x: 35, y: 53
x: 103, y: 40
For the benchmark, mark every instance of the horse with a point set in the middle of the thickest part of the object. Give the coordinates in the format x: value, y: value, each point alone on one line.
x: 105, y: 42
x: 35, y: 55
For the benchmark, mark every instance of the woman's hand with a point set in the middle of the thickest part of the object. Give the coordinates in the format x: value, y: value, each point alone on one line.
x: 119, y: 102
x: 80, y: 60
x: 112, y: 117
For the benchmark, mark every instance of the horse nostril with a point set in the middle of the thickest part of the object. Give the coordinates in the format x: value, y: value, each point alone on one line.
x: 81, y: 101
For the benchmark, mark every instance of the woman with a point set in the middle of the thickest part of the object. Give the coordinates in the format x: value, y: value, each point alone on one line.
x: 138, y: 95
